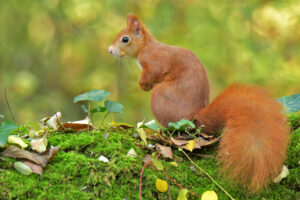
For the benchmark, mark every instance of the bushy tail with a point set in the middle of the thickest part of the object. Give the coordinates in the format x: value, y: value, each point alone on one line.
x: 255, y: 136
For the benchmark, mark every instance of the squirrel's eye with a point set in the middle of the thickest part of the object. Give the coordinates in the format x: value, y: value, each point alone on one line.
x: 125, y: 39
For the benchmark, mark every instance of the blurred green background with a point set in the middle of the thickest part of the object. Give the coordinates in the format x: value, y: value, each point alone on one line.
x: 53, y: 50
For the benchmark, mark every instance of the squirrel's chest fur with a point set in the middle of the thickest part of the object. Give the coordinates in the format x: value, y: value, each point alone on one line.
x: 184, y: 86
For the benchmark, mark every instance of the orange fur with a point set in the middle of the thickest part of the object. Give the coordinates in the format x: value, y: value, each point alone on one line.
x: 171, y: 72
x: 255, y: 136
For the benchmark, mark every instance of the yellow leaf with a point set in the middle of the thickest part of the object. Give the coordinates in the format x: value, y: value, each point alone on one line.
x: 16, y: 140
x: 120, y: 124
x: 182, y: 194
x: 142, y: 134
x: 191, y: 145
x: 161, y: 185
x: 39, y: 144
x: 209, y: 195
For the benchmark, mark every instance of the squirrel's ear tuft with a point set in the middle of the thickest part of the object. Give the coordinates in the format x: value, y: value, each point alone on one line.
x: 134, y: 24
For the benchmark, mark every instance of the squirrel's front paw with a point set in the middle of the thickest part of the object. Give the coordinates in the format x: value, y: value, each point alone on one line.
x: 146, y: 86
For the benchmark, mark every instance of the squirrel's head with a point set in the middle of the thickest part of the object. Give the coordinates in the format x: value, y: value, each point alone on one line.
x: 131, y: 39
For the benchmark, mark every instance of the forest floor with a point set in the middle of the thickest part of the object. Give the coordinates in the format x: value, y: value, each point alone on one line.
x: 77, y: 173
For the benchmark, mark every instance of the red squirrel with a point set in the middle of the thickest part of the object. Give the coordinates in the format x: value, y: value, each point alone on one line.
x: 255, y: 131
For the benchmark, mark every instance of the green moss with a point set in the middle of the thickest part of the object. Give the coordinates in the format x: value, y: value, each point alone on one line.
x: 76, y: 173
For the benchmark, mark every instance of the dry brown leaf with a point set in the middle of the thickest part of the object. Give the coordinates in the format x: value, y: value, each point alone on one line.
x: 147, y: 158
x: 200, y: 142
x: 37, y: 169
x: 206, y: 136
x: 166, y: 151
x: 40, y: 159
x: 179, y: 142
x: 76, y: 127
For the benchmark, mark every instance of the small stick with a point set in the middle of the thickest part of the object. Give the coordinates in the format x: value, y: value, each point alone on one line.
x: 141, y: 177
x: 9, y: 108
x: 60, y: 125
x: 208, y: 176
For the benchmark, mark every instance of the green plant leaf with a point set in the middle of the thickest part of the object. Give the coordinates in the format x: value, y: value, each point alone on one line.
x: 181, y: 125
x: 98, y: 109
x: 151, y: 125
x: 113, y: 106
x: 290, y: 103
x: 1, y: 116
x: 5, y: 129
x: 94, y: 95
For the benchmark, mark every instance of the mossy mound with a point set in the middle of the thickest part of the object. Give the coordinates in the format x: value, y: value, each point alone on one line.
x: 76, y: 173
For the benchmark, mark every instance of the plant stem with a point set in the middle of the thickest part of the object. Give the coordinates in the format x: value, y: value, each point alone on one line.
x: 6, y: 99
x: 208, y: 176
x: 89, y: 116
x: 104, y: 118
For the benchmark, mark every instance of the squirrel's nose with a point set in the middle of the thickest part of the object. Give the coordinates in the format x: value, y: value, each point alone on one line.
x: 110, y: 49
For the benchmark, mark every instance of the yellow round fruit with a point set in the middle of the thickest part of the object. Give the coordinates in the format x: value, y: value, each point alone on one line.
x: 209, y: 195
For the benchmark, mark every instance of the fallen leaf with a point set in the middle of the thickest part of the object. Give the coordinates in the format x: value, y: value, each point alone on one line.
x: 37, y: 169
x: 132, y: 153
x: 52, y: 122
x: 13, y: 139
x: 200, y: 142
x: 158, y: 164
x: 206, y: 136
x: 80, y: 125
x: 142, y: 134
x: 120, y: 124
x: 40, y: 159
x: 103, y: 159
x: 283, y: 174
x: 190, y: 145
x: 76, y: 127
x: 22, y: 168
x: 182, y: 194
x: 161, y: 185
x: 209, y: 195
x: 179, y: 142
x: 165, y: 151
x: 36, y: 134
x: 39, y: 144
x: 147, y: 158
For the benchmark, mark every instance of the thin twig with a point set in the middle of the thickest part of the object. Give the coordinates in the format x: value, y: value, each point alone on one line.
x: 89, y: 114
x: 60, y: 125
x: 141, y: 177
x: 9, y: 108
x: 208, y: 176
x: 104, y: 118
